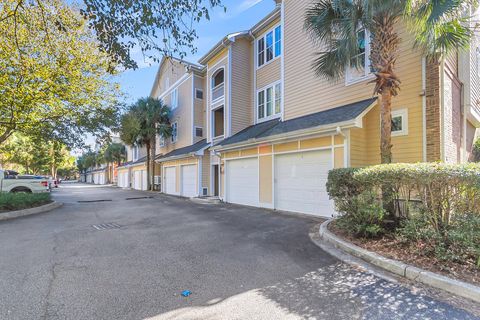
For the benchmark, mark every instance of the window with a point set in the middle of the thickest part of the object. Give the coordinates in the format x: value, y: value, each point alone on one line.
x: 174, y: 99
x: 174, y: 132
x: 198, y: 132
x: 218, y: 87
x: 218, y: 122
x: 399, y: 122
x: 135, y: 153
x: 162, y: 142
x: 269, y: 102
x: 359, y: 66
x: 269, y: 46
x: 199, y: 94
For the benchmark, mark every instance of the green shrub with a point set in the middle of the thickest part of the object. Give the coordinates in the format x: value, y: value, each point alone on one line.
x: 366, y: 219
x: 476, y: 151
x: 18, y: 201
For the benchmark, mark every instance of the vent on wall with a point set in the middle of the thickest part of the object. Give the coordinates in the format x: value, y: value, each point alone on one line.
x: 205, y: 191
x: 198, y: 132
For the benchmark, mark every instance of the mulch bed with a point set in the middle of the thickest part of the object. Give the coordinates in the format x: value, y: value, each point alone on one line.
x: 413, y: 254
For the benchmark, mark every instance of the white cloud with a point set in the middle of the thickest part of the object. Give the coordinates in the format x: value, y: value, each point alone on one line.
x: 242, y: 7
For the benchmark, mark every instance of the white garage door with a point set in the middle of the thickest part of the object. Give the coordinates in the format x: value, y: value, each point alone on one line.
x: 170, y: 180
x: 189, y: 181
x: 123, y: 179
x: 101, y: 178
x: 300, y: 182
x: 144, y: 179
x: 242, y: 181
x: 137, y: 180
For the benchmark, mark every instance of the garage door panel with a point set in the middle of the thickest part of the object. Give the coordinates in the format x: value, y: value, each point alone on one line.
x: 189, y: 180
x: 300, y: 182
x: 170, y: 180
x: 242, y: 181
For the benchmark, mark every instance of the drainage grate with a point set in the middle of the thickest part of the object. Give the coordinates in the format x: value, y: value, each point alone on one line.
x: 90, y: 201
x: 138, y: 198
x: 106, y: 226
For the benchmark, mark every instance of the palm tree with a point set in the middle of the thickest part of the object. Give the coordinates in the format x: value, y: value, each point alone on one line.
x: 140, y: 126
x: 114, y: 153
x: 438, y: 28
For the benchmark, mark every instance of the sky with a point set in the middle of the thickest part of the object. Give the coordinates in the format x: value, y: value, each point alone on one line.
x: 240, y: 15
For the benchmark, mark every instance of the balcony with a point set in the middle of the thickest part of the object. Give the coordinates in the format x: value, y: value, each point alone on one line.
x: 218, y: 92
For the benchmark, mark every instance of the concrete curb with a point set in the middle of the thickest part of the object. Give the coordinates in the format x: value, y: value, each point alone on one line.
x: 459, y: 288
x: 30, y: 211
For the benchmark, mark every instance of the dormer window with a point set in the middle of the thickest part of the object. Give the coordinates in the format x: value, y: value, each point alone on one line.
x: 218, y: 85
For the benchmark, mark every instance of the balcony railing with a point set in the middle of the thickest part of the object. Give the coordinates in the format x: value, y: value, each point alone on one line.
x: 218, y: 92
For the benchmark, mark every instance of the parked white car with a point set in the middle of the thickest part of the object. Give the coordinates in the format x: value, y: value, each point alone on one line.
x: 11, y: 182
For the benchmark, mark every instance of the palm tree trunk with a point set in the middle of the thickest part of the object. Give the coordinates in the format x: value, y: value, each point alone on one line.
x: 152, y: 160
x: 386, y: 127
x: 148, y: 165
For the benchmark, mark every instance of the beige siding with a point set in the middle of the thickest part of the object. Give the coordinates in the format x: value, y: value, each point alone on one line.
x: 242, y: 79
x: 199, y: 108
x: 182, y: 115
x: 216, y: 63
x: 269, y: 73
x: 171, y: 69
x: 206, y: 171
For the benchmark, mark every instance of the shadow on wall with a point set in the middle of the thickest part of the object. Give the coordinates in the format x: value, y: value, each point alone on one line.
x: 333, y: 292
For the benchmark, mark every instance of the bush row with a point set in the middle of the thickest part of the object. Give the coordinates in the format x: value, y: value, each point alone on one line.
x: 19, y: 201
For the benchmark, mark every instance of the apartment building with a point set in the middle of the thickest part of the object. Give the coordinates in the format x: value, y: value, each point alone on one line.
x: 273, y: 129
x: 181, y: 158
x: 133, y: 173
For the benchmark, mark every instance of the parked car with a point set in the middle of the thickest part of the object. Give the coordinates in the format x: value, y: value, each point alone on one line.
x: 11, y: 181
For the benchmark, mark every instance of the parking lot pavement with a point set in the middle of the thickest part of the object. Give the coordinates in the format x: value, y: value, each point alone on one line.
x: 120, y: 254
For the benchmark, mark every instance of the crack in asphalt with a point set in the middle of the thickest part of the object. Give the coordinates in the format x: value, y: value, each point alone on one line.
x: 53, y: 277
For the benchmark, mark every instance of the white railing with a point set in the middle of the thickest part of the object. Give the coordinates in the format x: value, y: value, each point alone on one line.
x: 218, y: 92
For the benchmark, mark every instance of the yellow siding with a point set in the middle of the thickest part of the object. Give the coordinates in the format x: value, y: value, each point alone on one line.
x: 232, y: 154
x: 339, y: 139
x: 306, y: 93
x: 289, y: 146
x: 171, y: 69
x: 269, y: 73
x: 219, y: 56
x: 249, y: 152
x: 316, y: 142
x: 265, y: 179
x: 199, y: 105
x: 338, y: 157
x: 242, y: 79
x: 264, y: 149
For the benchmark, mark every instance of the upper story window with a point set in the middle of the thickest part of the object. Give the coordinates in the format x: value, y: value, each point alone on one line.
x: 359, y: 66
x: 135, y: 153
x: 269, y: 46
x: 174, y: 132
x: 174, y: 98
x: 218, y: 85
x: 269, y: 102
x: 162, y: 142
x: 199, y: 94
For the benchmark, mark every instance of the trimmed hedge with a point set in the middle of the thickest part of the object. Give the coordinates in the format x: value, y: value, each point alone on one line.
x: 19, y: 201
x: 437, y: 190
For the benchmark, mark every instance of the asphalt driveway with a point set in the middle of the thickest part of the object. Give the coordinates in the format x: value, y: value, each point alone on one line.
x: 117, y: 254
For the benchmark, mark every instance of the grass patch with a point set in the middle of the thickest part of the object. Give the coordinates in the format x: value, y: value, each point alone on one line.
x: 19, y: 201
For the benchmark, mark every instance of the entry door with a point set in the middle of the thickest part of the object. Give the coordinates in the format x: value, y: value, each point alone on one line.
x: 189, y: 181
x: 242, y: 181
x: 300, y: 182
x: 170, y: 180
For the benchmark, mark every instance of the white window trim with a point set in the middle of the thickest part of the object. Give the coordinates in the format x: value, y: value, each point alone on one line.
x: 399, y: 113
x: 174, y: 102
x: 368, y: 74
x: 203, y: 94
x: 274, y: 115
x: 222, y: 98
x: 198, y: 127
x: 162, y: 142
x: 264, y: 36
x: 176, y: 136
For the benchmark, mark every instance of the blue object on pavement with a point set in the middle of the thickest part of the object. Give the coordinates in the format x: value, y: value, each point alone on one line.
x: 186, y: 293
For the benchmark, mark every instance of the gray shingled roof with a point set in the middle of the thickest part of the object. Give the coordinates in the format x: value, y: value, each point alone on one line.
x: 185, y: 150
x: 322, y: 118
